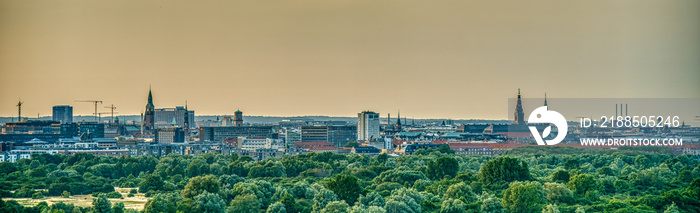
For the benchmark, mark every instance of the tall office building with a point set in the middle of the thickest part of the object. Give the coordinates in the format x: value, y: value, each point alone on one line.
x: 63, y: 114
x: 367, y: 125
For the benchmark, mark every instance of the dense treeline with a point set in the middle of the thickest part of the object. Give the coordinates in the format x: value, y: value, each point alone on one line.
x: 429, y: 181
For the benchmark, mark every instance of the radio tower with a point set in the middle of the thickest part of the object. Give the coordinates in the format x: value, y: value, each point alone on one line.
x: 19, y: 110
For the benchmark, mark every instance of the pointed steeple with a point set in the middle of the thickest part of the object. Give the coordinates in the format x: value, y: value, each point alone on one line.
x: 519, y: 115
x: 398, y: 121
x: 545, y: 99
x: 150, y: 99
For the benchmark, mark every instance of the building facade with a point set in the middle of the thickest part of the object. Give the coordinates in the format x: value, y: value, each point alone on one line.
x: 367, y: 126
x: 338, y: 135
x: 221, y: 133
x: 167, y: 135
x: 168, y: 117
x: 63, y: 114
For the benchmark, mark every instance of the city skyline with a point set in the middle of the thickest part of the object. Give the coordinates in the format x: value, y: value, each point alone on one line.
x: 460, y: 60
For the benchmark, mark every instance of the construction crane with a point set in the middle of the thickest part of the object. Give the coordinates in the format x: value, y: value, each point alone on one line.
x: 19, y: 110
x: 111, y: 107
x: 96, y: 102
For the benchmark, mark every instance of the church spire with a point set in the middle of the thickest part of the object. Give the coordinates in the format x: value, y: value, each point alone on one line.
x: 545, y: 99
x: 150, y: 99
x: 519, y: 115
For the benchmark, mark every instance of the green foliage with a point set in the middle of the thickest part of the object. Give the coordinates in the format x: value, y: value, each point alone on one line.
x: 101, y: 204
x: 523, y: 197
x: 443, y: 167
x: 199, y: 185
x: 351, y: 144
x: 461, y: 191
x: 561, y: 176
x: 151, y: 183
x: 244, y: 204
x: 492, y: 205
x: 580, y: 184
x: 451, y: 205
x: 504, y: 169
x: 346, y: 187
x: 336, y: 207
x: 325, y: 181
x: 209, y: 203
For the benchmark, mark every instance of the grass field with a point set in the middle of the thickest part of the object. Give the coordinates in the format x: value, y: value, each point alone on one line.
x: 137, y: 202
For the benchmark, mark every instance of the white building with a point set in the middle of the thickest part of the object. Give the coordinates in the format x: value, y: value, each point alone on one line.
x: 367, y: 126
x: 260, y: 143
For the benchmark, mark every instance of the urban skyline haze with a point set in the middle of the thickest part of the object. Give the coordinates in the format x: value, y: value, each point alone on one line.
x: 432, y: 59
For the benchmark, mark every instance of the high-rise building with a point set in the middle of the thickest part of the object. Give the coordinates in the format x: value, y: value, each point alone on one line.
x: 238, y: 118
x: 149, y: 116
x: 519, y: 115
x: 367, y: 125
x: 63, y: 114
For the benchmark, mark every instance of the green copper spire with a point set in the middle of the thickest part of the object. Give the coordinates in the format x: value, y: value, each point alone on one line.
x: 150, y: 99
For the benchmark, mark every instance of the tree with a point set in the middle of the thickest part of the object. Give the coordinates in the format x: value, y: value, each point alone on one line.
x: 118, y: 207
x: 277, y: 208
x: 199, y: 185
x: 558, y: 192
x: 503, y: 169
x: 372, y: 199
x: 152, y: 182
x: 443, y: 166
x: 398, y: 206
x: 571, y: 164
x: 351, y: 144
x: 101, y: 204
x: 582, y: 183
x: 672, y: 209
x: 550, y: 209
x: 346, y: 187
x: 65, y: 194
x: 244, y: 204
x: 461, y: 190
x: 693, y: 191
x: 452, y: 206
x: 560, y: 176
x: 336, y: 207
x: 322, y: 199
x: 580, y: 210
x: 492, y: 205
x: 209, y: 203
x: 642, y: 162
x: 523, y: 197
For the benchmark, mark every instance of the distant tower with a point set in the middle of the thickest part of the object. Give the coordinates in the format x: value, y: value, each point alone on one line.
x: 238, y: 118
x: 149, y: 117
x: 545, y: 99
x: 398, y: 123
x: 19, y: 110
x: 519, y: 115
x: 186, y: 124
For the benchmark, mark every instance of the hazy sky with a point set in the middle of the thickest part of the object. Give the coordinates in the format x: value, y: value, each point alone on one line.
x: 429, y: 59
